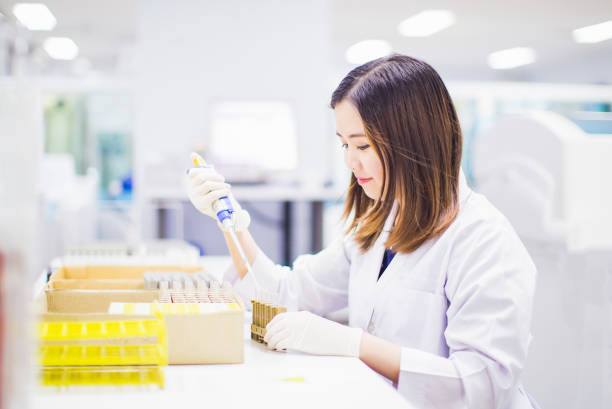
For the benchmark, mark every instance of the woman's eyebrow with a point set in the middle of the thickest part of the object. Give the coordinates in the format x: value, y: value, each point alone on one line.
x: 354, y: 135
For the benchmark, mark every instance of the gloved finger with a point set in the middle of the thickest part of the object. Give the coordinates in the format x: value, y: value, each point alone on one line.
x: 200, y: 175
x: 276, y: 337
x: 214, y: 195
x: 276, y: 323
x: 207, y: 187
x: 271, y: 331
x: 196, y: 172
x: 200, y: 179
x: 195, y: 184
x: 284, y: 344
x: 205, y: 201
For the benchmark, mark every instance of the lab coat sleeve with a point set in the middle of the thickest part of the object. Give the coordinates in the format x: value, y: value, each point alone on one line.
x: 316, y: 282
x: 490, y: 285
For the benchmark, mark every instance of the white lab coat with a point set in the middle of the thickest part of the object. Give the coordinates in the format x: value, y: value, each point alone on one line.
x: 459, y: 306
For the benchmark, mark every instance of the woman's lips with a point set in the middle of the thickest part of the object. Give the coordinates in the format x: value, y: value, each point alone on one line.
x: 362, y: 181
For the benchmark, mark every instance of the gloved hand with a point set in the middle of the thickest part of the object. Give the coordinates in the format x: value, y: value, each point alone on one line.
x: 205, y: 186
x: 306, y: 332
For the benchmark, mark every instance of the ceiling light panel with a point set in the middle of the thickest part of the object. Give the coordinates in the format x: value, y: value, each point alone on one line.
x: 426, y: 23
x: 367, y: 50
x: 593, y: 34
x: 511, y: 58
x: 34, y: 16
x: 61, y: 48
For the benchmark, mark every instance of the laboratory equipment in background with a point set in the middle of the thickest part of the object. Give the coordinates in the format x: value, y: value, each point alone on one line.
x: 552, y: 181
x: 65, y: 128
x: 253, y: 141
x: 94, y: 128
x: 203, y: 318
x: 88, y: 142
x: 480, y: 104
x: 69, y: 204
x: 155, y: 252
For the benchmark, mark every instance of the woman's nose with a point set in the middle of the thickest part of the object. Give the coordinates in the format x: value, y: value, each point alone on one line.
x: 351, y: 161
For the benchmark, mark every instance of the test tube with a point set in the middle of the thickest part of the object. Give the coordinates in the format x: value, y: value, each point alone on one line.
x: 274, y: 311
x: 266, y: 308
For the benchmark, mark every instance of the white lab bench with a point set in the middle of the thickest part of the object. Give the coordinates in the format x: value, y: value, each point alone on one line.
x: 266, y: 379
x: 263, y: 380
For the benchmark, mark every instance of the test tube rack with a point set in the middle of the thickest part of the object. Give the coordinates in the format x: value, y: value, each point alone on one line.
x: 262, y: 315
x: 176, y: 287
x: 101, y: 352
x: 59, y: 376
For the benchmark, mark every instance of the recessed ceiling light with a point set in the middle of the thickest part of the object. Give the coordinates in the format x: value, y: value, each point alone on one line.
x: 426, y: 23
x: 367, y: 50
x: 593, y: 34
x: 61, y: 48
x: 34, y: 16
x: 511, y: 58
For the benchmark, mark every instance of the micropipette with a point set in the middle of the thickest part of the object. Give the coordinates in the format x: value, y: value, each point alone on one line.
x: 224, y: 210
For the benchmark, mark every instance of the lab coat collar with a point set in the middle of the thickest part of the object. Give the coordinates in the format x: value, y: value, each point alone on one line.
x: 464, y: 189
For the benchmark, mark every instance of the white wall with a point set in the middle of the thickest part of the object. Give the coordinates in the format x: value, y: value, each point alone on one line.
x: 193, y: 53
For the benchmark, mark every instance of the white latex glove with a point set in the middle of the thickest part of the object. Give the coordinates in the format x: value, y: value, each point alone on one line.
x: 306, y: 332
x: 205, y: 186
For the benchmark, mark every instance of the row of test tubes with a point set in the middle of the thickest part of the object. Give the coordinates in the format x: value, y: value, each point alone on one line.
x: 262, y: 315
x: 180, y: 287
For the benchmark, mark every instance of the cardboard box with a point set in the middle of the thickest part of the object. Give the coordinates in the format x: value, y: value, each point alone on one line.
x: 88, y: 301
x: 206, y: 338
x: 96, y: 284
x: 127, y: 277
x: 116, y: 272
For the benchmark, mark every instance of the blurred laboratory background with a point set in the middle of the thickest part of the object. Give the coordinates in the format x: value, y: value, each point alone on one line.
x: 101, y: 103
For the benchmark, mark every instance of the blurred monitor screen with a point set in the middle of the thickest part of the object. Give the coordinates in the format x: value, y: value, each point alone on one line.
x: 254, y: 134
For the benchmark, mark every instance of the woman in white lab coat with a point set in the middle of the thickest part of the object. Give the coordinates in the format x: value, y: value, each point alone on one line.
x: 439, y: 287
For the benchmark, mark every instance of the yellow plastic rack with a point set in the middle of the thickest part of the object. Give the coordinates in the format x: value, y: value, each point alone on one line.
x: 73, y: 354
x: 191, y: 308
x: 76, y: 331
x: 100, y: 376
x: 83, y: 355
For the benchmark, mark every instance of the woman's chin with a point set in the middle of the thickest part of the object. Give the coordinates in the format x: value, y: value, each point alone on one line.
x: 371, y: 195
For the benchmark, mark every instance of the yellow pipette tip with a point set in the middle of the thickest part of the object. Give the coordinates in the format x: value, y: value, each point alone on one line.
x: 197, y: 159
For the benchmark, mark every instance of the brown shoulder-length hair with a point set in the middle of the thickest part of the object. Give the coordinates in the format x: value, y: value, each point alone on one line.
x: 411, y: 122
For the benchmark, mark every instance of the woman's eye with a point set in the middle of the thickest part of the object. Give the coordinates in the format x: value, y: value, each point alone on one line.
x: 363, y: 147
x: 344, y: 145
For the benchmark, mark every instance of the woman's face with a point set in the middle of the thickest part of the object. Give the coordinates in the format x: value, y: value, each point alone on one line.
x: 359, y: 156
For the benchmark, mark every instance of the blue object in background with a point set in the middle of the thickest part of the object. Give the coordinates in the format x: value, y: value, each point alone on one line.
x: 126, y: 183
